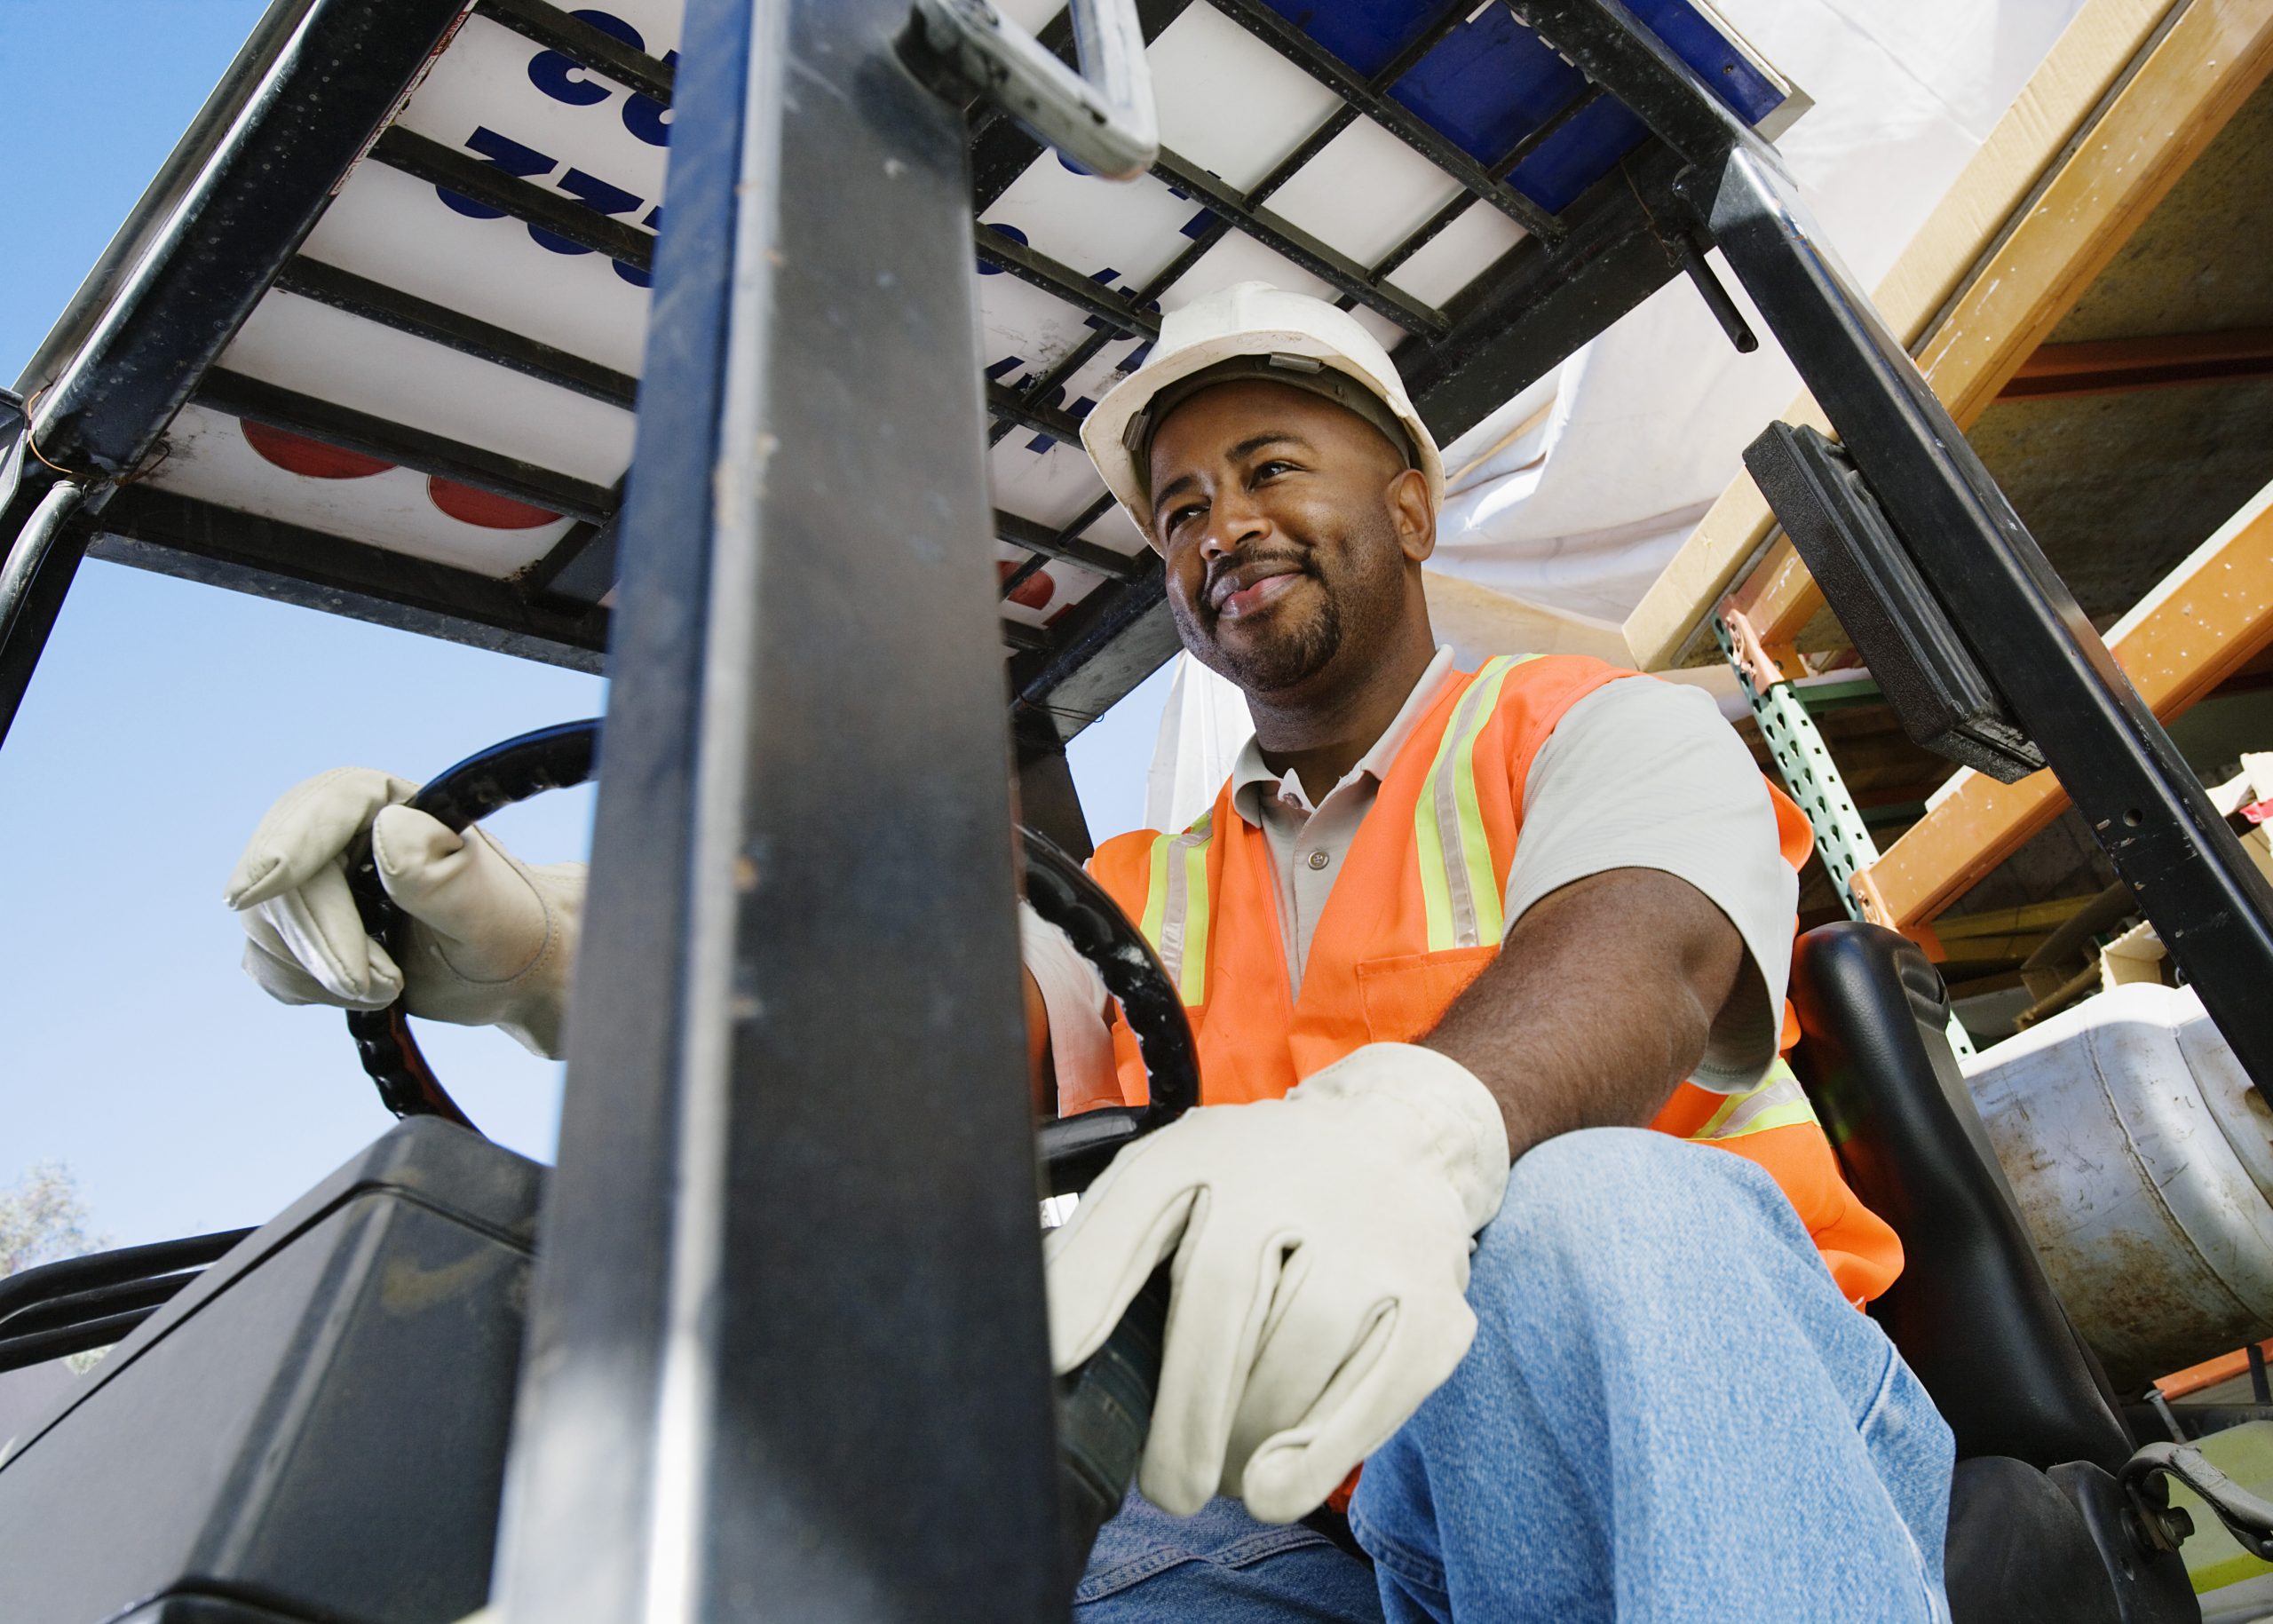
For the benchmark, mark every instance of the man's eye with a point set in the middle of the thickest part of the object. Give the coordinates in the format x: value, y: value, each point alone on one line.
x: 1184, y: 516
x: 1272, y: 468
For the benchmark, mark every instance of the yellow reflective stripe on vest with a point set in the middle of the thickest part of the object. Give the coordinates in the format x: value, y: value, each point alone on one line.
x: 1175, y: 908
x: 1459, y: 894
x: 1778, y: 1102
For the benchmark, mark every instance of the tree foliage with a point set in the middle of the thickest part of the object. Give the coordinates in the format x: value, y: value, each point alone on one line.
x: 43, y: 1219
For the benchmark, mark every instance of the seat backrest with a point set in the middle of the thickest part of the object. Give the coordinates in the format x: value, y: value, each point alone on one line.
x: 1972, y: 1311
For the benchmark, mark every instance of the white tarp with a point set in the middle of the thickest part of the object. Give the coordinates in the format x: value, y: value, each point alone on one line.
x: 1650, y: 420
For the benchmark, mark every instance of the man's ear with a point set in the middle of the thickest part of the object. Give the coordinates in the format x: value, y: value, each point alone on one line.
x: 1413, y: 515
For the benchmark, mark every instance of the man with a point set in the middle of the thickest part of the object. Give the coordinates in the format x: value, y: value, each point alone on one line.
x: 1452, y: 944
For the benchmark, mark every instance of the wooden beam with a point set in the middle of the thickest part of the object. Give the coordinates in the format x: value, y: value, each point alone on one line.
x: 1481, y: 621
x: 2204, y: 620
x: 2117, y: 366
x: 2186, y: 88
x: 2215, y: 54
x: 2028, y: 918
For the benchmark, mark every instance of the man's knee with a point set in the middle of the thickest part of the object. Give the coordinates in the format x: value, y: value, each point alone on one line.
x: 1615, y: 1163
x: 1595, y: 1203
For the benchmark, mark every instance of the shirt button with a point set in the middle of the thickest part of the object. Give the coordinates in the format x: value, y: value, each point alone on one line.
x: 1318, y: 859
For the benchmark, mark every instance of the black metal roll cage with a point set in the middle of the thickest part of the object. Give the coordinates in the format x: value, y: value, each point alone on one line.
x: 786, y: 1342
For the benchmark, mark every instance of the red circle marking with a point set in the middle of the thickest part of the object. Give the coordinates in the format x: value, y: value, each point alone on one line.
x: 311, y: 458
x: 491, y: 511
x: 1034, y: 592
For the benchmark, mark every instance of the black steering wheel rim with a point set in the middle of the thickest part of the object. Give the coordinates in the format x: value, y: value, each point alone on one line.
x: 1072, y: 1149
x: 458, y: 798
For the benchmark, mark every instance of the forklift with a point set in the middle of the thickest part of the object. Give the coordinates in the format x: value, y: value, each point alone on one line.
x: 768, y: 1341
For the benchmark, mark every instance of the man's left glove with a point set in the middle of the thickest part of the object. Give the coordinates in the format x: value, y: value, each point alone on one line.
x: 1321, y: 1246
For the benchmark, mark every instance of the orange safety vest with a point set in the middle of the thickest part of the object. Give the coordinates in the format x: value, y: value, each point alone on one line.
x: 1414, y: 917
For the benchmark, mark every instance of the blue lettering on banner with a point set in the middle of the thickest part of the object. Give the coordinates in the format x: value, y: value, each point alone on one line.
x: 503, y: 152
x: 1041, y: 443
x: 647, y: 118
x: 595, y: 194
x: 1015, y: 236
x: 1106, y: 276
x: 565, y: 81
x: 1135, y: 357
x: 654, y: 221
x: 524, y: 162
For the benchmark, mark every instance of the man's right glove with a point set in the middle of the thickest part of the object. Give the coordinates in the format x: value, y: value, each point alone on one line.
x: 1321, y: 1247
x: 492, y: 941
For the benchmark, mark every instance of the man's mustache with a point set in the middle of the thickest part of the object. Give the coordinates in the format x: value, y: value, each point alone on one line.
x: 1257, y: 565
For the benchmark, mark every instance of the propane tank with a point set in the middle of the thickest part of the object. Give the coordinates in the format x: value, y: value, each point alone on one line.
x: 2142, y: 1161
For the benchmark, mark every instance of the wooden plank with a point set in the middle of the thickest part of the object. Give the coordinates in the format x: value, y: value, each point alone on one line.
x: 2026, y: 919
x: 2117, y: 365
x: 2206, y: 620
x: 2197, y: 78
x: 1480, y: 621
x: 2088, y: 59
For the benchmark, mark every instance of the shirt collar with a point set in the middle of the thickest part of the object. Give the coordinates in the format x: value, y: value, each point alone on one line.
x: 1252, y: 779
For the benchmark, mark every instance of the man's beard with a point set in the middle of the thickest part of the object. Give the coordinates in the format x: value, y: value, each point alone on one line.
x: 1279, y: 662
x: 1274, y: 663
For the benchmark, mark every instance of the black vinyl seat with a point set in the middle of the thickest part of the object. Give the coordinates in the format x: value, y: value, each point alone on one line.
x: 2039, y: 1436
x: 1972, y: 1312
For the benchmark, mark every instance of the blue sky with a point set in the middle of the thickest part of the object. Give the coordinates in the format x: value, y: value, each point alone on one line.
x: 166, y: 717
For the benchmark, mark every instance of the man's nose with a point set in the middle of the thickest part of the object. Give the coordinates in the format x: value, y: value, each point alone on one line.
x: 1235, y: 520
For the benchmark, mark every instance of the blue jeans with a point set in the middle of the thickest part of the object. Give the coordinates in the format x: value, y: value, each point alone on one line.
x: 1669, y: 1414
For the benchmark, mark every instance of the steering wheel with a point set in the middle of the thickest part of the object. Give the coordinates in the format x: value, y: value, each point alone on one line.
x: 486, y: 783
x: 1105, y: 1406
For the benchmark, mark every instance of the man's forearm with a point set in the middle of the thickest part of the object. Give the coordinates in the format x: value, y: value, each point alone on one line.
x: 1599, y: 1004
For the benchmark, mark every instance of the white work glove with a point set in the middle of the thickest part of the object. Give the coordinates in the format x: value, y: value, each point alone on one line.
x: 492, y: 941
x: 1321, y: 1246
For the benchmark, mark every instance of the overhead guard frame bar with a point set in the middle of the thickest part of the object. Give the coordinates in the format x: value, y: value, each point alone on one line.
x: 172, y: 534
x: 500, y: 346
x: 1290, y: 42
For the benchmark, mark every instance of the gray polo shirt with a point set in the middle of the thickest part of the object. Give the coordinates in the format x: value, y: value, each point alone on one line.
x: 1637, y: 774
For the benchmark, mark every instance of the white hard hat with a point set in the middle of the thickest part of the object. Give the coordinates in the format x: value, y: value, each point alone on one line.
x: 1290, y: 337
